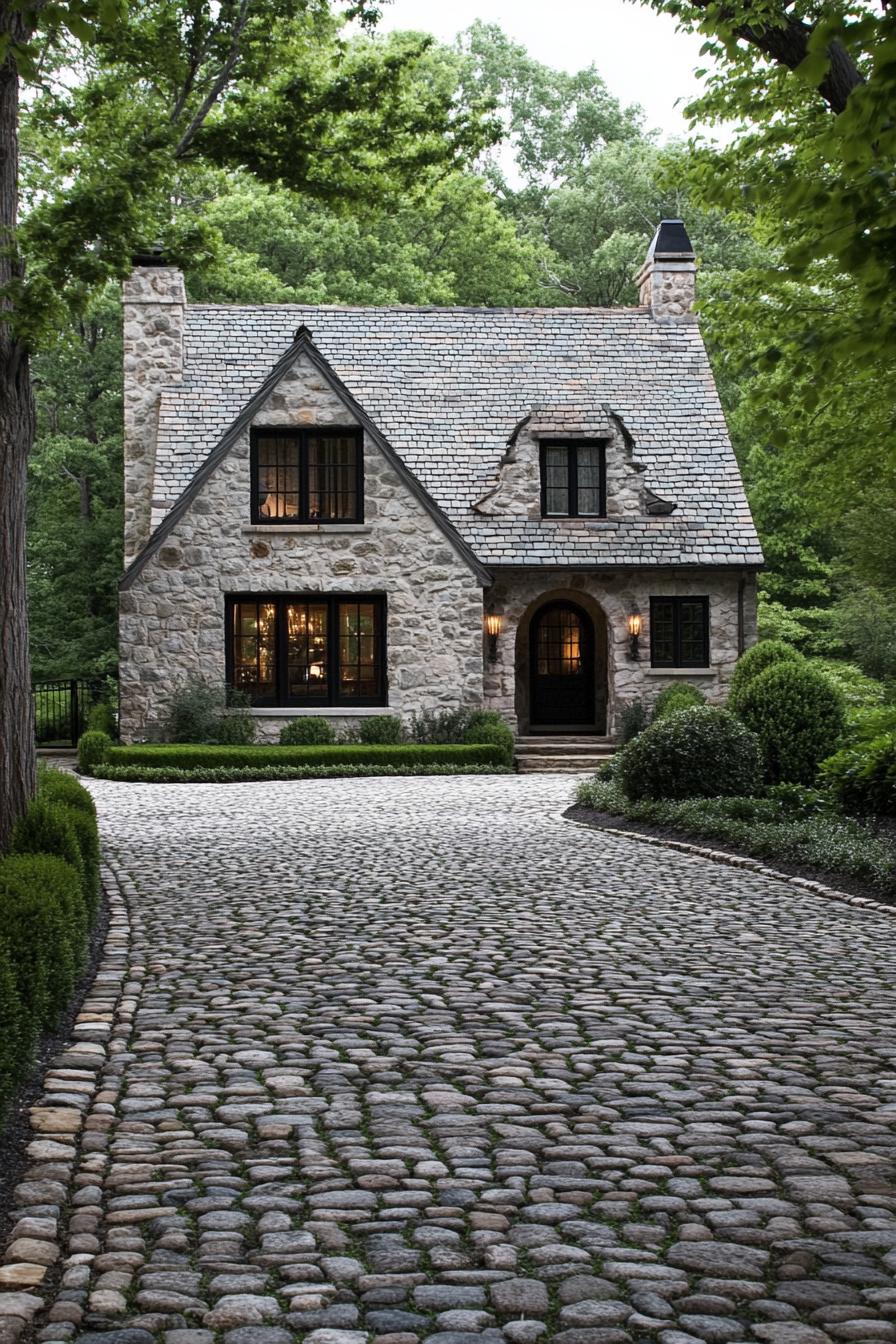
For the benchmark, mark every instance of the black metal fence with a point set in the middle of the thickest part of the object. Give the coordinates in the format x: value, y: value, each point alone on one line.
x: 61, y: 709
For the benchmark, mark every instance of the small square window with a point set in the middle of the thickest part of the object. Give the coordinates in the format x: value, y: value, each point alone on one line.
x: 573, y: 479
x: 679, y: 631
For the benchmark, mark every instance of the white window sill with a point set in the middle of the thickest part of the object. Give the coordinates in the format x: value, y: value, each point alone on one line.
x: 262, y: 529
x: 680, y: 671
x: 318, y: 712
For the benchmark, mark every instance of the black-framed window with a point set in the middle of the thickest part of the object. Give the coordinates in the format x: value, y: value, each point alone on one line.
x: 573, y: 479
x: 308, y: 648
x: 307, y: 476
x: 679, y: 631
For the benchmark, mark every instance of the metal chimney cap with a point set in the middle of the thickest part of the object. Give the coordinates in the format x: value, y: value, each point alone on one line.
x: 671, y: 240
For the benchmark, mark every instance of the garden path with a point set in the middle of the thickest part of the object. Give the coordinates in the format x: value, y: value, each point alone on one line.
x: 405, y: 1059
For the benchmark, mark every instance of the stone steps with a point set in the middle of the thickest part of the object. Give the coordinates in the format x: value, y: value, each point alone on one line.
x: 573, y: 754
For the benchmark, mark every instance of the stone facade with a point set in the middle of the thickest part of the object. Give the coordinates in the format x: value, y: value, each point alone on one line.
x: 154, y: 303
x: 608, y: 599
x: 172, y: 615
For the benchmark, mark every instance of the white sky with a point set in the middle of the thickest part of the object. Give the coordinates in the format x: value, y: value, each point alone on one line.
x: 640, y: 54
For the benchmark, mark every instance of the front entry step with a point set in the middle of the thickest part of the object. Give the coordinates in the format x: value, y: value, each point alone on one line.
x: 570, y: 755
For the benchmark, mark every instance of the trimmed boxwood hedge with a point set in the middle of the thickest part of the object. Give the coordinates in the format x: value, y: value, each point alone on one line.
x: 863, y: 777
x: 186, y: 756
x: 155, y: 774
x: 694, y: 753
x: 48, y: 897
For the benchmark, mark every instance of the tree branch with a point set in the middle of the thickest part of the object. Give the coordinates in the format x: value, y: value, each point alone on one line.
x: 219, y: 84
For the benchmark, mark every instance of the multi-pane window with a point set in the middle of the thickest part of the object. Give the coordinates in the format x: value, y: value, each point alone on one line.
x: 307, y: 650
x: 558, y: 649
x: 679, y: 631
x: 306, y: 476
x: 573, y: 480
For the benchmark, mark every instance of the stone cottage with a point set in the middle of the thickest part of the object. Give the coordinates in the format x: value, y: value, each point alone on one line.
x: 347, y: 511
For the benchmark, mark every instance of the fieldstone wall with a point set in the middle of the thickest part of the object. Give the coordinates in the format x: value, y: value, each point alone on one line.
x: 154, y: 305
x: 172, y: 616
x: 609, y: 599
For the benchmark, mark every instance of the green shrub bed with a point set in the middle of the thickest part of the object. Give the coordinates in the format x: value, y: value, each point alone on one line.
x: 787, y: 827
x: 49, y: 893
x: 149, y: 774
x: 180, y: 756
x: 863, y: 777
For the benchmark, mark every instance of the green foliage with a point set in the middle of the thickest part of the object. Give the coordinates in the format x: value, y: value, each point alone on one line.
x: 307, y: 732
x: 858, y: 691
x: 797, y: 714
x: 184, y: 757
x: 695, y: 753
x: 676, y: 698
x: 766, y: 828
x: 93, y: 749
x: 486, y: 725
x: 863, y: 777
x: 200, y: 711
x: 865, y: 619
x: 434, y: 726
x: 381, y: 729
x: 41, y: 932
x: 49, y: 828
x: 633, y: 717
x: 101, y: 719
x: 13, y: 1058
x: 147, y: 774
x: 752, y: 663
x: 57, y: 786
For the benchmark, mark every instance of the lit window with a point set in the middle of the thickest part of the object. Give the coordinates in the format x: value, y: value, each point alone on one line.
x: 307, y: 650
x: 307, y: 476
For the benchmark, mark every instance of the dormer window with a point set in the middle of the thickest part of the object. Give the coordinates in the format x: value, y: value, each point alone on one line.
x: 573, y: 479
x: 307, y: 476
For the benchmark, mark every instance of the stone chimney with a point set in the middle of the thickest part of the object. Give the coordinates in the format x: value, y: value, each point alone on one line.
x: 667, y: 280
x: 154, y: 302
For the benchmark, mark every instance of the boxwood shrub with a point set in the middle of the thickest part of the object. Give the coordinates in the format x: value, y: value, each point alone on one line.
x: 381, y: 729
x: 13, y: 1056
x: 307, y: 732
x: 675, y: 698
x: 186, y: 756
x: 487, y: 726
x: 163, y: 774
x: 697, y: 753
x: 863, y: 777
x: 93, y: 749
x: 798, y: 716
x: 767, y: 653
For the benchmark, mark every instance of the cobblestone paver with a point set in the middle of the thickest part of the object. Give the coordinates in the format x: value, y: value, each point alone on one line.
x: 417, y: 1059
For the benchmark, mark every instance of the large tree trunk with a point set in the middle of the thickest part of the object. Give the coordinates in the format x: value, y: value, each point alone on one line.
x: 17, y: 754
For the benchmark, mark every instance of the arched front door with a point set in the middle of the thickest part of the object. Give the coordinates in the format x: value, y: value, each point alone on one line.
x: 562, y: 667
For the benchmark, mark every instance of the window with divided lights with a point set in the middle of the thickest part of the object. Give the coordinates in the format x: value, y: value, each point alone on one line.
x: 308, y: 650
x: 679, y: 631
x: 573, y: 480
x: 307, y: 476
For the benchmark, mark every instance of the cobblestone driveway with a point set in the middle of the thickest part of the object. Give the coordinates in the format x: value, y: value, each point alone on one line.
x: 418, y: 1059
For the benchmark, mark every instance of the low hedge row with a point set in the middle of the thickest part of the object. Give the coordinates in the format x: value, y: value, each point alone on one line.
x: 150, y: 774
x: 49, y: 891
x: 185, y: 756
x: 768, y: 828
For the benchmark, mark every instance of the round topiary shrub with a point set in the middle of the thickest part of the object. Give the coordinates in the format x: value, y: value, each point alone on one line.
x: 798, y: 716
x: 697, y: 753
x: 48, y: 828
x: 487, y: 726
x: 676, y: 698
x: 58, y: 787
x: 307, y: 733
x: 380, y: 730
x: 765, y: 654
x: 93, y: 749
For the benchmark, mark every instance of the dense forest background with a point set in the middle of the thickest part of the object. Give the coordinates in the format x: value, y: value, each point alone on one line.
x: 550, y: 197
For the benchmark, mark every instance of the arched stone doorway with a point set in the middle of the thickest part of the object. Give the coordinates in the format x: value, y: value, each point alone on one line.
x: 561, y: 663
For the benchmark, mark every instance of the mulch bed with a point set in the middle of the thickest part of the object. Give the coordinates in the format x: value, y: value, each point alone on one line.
x: 854, y: 886
x: 17, y: 1134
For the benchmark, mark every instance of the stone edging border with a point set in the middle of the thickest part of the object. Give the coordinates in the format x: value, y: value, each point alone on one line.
x: 741, y: 861
x: 58, y: 1203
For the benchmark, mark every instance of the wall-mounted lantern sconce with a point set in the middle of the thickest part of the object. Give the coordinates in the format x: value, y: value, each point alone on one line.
x: 634, y: 634
x: 494, y: 624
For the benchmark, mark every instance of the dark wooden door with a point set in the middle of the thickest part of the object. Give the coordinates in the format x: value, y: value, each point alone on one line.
x: 562, y: 667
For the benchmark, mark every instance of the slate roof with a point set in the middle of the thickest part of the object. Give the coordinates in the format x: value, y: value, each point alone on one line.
x: 447, y: 387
